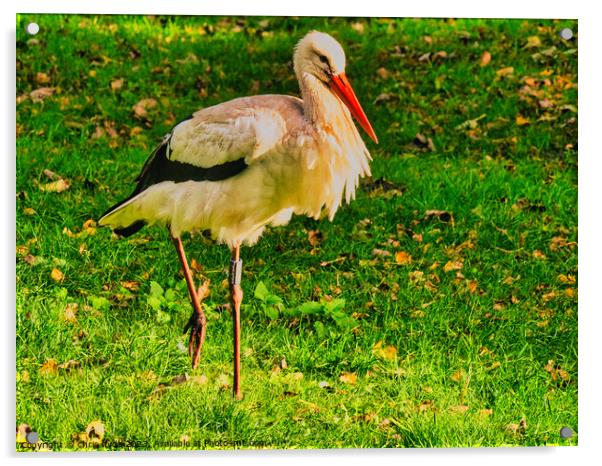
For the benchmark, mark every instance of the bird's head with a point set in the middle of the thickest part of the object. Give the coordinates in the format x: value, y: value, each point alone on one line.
x: 321, y: 56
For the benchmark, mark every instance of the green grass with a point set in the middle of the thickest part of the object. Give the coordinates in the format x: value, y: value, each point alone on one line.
x: 442, y: 357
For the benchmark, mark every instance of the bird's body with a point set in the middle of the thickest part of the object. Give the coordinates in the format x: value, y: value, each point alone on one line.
x: 288, y: 164
x: 239, y: 166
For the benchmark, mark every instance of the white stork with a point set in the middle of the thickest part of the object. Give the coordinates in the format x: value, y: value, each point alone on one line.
x: 239, y: 166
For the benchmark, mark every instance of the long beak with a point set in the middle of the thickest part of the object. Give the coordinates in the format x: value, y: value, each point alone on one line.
x: 341, y: 87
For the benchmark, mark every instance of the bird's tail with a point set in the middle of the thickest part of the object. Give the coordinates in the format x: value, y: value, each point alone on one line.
x: 120, y: 218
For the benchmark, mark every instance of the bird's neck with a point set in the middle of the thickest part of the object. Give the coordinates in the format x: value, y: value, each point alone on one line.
x: 321, y: 107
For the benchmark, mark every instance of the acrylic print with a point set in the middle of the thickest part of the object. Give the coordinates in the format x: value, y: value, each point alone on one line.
x: 272, y: 233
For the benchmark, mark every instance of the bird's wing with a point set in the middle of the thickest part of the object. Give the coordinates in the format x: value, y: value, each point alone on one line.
x: 226, y: 133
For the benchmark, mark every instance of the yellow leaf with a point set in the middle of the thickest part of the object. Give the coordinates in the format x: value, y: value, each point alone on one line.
x: 533, y: 42
x: 505, y: 71
x: 521, y: 120
x: 348, y: 377
x: 57, y: 186
x: 403, y: 258
x: 117, y: 84
x: 50, y: 367
x: 457, y: 376
x: 70, y: 312
x: 95, y: 431
x: 142, y: 107
x: 485, y: 412
x: 460, y: 409
x: 453, y: 265
x: 388, y: 352
x: 57, y: 275
x: 485, y: 58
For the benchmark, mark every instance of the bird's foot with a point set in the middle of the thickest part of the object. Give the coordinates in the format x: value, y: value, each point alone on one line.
x: 196, y: 325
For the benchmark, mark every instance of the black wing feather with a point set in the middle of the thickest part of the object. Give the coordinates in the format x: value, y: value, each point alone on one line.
x: 158, y: 168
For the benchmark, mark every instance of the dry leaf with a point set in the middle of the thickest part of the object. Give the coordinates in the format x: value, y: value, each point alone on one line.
x: 57, y: 186
x: 42, y: 93
x: 380, y: 252
x: 403, y: 258
x: 142, y: 107
x: 69, y: 314
x: 508, y: 70
x: 348, y: 378
x: 117, y: 84
x: 485, y: 58
x: 472, y: 286
x: 42, y: 78
x: 388, y: 352
x: 416, y: 276
x: 130, y: 285
x: 50, y: 367
x: 57, y: 275
x: 95, y: 431
x: 453, y: 265
x: 485, y: 412
x: 460, y: 409
x: 315, y: 237
x: 537, y: 254
x: 457, y: 376
x: 521, y: 120
x: 533, y: 42
x: 383, y: 72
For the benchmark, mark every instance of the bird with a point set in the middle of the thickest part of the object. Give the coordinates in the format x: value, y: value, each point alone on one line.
x: 237, y: 167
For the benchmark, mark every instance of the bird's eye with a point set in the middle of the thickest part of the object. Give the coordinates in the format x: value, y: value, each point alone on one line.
x: 323, y: 59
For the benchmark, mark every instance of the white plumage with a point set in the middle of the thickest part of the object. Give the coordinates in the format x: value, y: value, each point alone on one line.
x: 302, y: 156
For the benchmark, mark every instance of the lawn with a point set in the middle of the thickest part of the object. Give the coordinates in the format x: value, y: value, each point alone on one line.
x: 438, y: 309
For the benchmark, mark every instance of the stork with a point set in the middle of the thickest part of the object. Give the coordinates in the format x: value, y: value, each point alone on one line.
x: 239, y: 166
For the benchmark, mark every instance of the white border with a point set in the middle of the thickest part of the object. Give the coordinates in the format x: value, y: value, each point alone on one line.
x: 590, y: 262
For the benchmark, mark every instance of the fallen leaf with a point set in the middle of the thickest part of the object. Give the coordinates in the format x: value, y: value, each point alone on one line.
x: 57, y: 186
x: 388, y: 352
x: 537, y: 254
x: 29, y: 211
x: 485, y: 412
x: 130, y: 285
x: 42, y: 93
x: 57, y: 275
x: 348, y: 378
x: 457, y: 376
x: 485, y: 58
x: 49, y: 367
x: 403, y: 258
x: 383, y: 72
x: 416, y: 276
x: 453, y: 265
x: 533, y: 42
x: 460, y: 409
x: 315, y: 237
x: 117, y: 84
x: 380, y: 252
x: 69, y: 365
x: 142, y: 107
x: 70, y: 311
x: 95, y: 432
x: 568, y: 279
x: 521, y: 120
x: 472, y: 286
x: 442, y: 215
x: 506, y: 71
x: 42, y: 78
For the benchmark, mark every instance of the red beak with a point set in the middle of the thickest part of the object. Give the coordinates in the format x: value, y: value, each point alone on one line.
x: 341, y: 87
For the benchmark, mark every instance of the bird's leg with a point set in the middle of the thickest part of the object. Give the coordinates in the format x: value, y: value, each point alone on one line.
x: 197, y: 322
x: 235, y: 276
